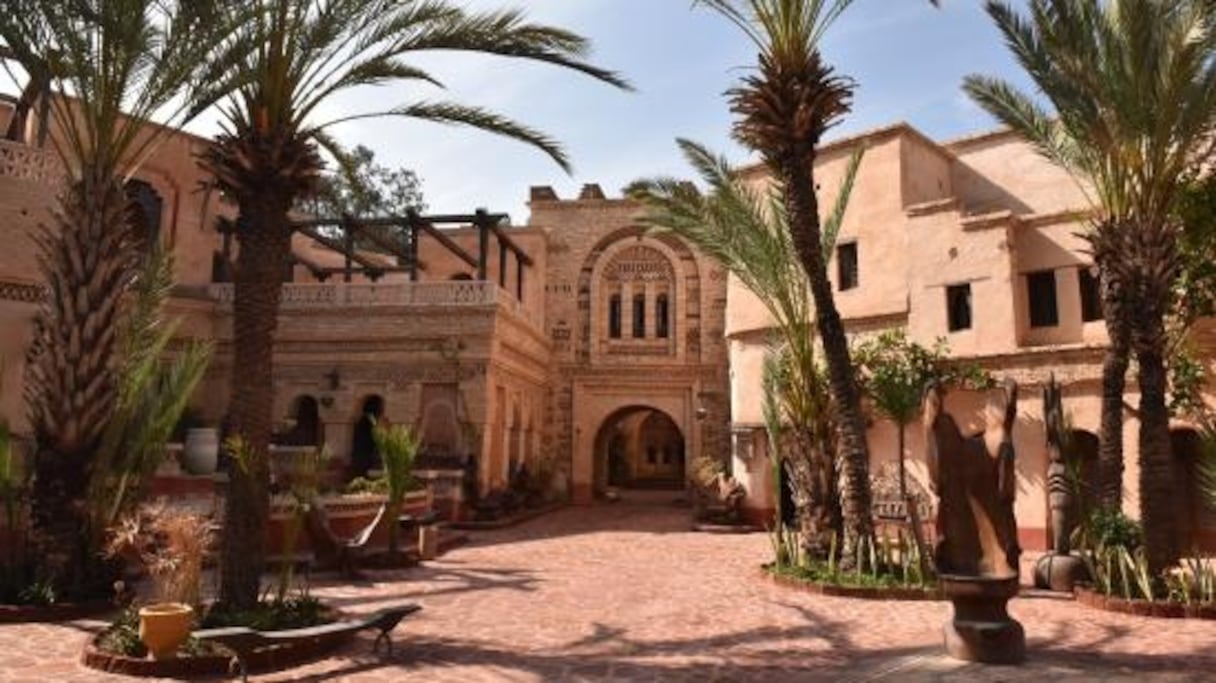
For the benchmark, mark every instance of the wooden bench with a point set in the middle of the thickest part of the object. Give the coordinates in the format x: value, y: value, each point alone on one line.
x: 243, y: 642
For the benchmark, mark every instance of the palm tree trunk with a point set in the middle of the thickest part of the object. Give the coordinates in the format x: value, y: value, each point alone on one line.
x: 264, y: 246
x: 1156, y: 465
x: 87, y: 260
x: 811, y: 478
x: 802, y: 207
x: 1114, y: 380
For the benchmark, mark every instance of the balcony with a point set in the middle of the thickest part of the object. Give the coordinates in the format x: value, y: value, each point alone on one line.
x: 472, y: 294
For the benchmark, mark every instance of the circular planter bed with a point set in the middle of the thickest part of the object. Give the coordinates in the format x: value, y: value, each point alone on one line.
x: 1143, y: 608
x: 271, y: 659
x: 25, y: 614
x: 859, y: 592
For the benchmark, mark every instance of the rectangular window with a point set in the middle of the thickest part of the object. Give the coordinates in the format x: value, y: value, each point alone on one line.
x: 958, y: 307
x: 1091, y: 295
x: 639, y: 316
x: 1041, y: 292
x: 614, y: 316
x: 847, y: 271
x: 661, y: 316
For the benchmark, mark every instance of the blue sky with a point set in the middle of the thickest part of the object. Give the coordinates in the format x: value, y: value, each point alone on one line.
x: 907, y: 58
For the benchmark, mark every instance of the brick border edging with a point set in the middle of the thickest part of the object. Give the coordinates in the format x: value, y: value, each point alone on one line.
x: 40, y: 614
x: 727, y: 529
x: 1143, y: 608
x: 269, y: 660
x: 856, y: 592
x: 526, y: 516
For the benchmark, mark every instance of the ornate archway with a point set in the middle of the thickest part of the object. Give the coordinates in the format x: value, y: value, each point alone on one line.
x: 639, y: 447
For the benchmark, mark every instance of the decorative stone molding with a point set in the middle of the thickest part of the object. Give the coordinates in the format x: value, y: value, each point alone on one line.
x: 22, y: 292
x: 23, y: 162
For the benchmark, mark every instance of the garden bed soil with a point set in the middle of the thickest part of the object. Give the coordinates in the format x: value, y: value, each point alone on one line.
x: 858, y: 592
x: 1160, y: 609
x: 518, y: 517
x: 28, y: 614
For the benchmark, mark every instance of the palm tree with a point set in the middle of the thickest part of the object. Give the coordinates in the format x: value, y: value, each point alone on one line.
x: 308, y: 53
x: 749, y: 235
x: 782, y: 112
x: 113, y: 65
x: 1133, y: 87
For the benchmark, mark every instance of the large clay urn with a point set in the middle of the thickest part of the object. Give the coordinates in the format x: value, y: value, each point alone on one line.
x: 202, y: 451
x: 164, y: 627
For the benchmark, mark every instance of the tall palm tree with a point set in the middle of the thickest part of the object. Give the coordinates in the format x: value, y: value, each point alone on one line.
x: 307, y: 54
x: 783, y: 111
x: 112, y: 66
x: 749, y: 235
x: 1133, y: 87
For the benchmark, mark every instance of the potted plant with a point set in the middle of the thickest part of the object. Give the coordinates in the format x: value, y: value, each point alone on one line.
x: 202, y: 448
x: 171, y: 545
x: 398, y: 446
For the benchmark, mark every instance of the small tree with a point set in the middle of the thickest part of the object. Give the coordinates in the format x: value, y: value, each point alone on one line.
x: 895, y: 372
x: 398, y: 445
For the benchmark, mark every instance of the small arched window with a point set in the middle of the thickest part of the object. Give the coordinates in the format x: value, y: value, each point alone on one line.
x: 662, y: 317
x: 146, y: 212
x: 639, y: 316
x: 614, y: 316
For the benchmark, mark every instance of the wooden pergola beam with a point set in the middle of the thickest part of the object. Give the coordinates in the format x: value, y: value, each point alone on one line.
x: 368, y: 265
x: 380, y: 241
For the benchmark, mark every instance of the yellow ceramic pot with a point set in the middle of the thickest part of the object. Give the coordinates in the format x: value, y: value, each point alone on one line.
x: 164, y: 627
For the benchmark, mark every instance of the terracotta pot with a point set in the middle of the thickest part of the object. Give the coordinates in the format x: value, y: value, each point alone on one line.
x: 164, y: 627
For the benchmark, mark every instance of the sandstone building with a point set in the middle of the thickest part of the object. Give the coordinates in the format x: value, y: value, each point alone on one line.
x: 620, y: 354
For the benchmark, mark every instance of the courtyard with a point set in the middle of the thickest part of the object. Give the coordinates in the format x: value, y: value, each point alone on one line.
x: 625, y: 592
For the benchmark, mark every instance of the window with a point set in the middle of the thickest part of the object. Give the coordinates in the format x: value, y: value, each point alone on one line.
x: 639, y: 316
x: 958, y: 307
x: 614, y: 316
x: 1091, y: 295
x: 650, y: 456
x: 661, y: 317
x: 1041, y: 291
x: 846, y: 266
x: 145, y: 218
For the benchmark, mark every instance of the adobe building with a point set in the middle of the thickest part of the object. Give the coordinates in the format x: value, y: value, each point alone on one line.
x: 624, y: 355
x: 974, y: 241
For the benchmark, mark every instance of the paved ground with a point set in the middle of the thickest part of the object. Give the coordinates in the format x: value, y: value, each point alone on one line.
x: 625, y: 593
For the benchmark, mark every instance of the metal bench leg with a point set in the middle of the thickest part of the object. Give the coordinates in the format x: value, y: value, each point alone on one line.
x: 386, y: 638
x: 237, y: 662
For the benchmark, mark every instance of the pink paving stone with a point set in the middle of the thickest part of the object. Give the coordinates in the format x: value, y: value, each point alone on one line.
x: 626, y: 593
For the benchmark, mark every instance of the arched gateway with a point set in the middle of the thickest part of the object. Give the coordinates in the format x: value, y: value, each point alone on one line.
x: 639, y: 447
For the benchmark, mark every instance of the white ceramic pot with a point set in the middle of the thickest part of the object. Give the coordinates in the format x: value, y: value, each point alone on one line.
x: 202, y: 451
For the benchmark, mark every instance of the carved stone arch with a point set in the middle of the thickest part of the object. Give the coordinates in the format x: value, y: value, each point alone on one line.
x: 686, y: 279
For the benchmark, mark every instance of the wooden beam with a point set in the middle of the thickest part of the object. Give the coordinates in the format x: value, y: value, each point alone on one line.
x: 368, y: 265
x: 506, y: 240
x: 383, y: 242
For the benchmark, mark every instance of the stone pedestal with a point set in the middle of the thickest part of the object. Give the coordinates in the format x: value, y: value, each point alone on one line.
x: 1059, y: 573
x: 982, y: 630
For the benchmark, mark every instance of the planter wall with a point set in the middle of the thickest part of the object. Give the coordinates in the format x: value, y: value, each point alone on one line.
x: 348, y: 515
x: 1144, y: 608
x: 30, y: 614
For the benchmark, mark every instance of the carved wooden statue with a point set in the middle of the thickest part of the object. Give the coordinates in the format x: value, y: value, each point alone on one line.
x: 1059, y: 492
x: 1058, y: 570
x: 975, y: 481
x: 977, y: 549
